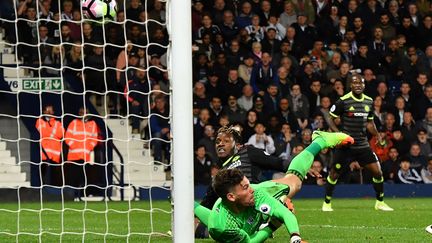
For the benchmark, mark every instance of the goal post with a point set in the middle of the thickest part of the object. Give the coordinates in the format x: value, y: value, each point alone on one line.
x: 180, y: 26
x: 36, y: 70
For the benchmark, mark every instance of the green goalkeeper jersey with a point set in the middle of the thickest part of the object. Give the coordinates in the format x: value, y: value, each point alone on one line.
x: 227, y: 226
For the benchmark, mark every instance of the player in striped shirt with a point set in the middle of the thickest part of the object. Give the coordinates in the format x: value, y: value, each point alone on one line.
x: 355, y: 111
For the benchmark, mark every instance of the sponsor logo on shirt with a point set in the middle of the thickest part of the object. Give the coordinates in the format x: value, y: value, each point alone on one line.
x: 235, y: 164
x: 265, y: 209
x: 361, y: 114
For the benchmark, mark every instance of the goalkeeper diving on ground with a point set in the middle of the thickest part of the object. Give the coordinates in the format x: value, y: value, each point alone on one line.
x: 248, y: 212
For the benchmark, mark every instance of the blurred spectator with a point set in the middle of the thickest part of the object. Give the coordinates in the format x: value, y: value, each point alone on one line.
x: 317, y: 166
x: 314, y: 96
x: 381, y: 149
x: 89, y: 38
x: 426, y: 173
x: 398, y: 110
x: 51, y: 132
x: 284, y: 82
x: 271, y: 99
x: 245, y: 69
x: 208, y: 141
x: 202, y: 166
x: 379, y: 112
x: 305, y: 137
x: 289, y: 16
x: 136, y: 93
x: 318, y: 123
x: 326, y: 158
x: 283, y: 142
x: 425, y: 146
x: 235, y: 54
x: 286, y: 115
x: 426, y: 123
x: 213, y: 86
x: 400, y: 142
x: 228, y: 27
x: 324, y: 108
x: 305, y: 33
x: 408, y: 127
x: 94, y: 64
x: 244, y: 17
x: 249, y: 125
x: 160, y: 129
x: 75, y: 27
x: 132, y: 12
x: 364, y: 60
x: 423, y: 101
x: 54, y: 62
x: 159, y: 42
x: 300, y: 106
x: 407, y: 175
x: 245, y: 101
x: 67, y: 8
x: 73, y: 62
x: 215, y: 109
x: 418, y: 161
x: 203, y: 120
x: 259, y: 108
x: 390, y: 166
x: 233, y: 111
x: 261, y: 140
x: 342, y: 74
x: 235, y: 84
x: 207, y: 27
x: 199, y: 95
x: 263, y: 74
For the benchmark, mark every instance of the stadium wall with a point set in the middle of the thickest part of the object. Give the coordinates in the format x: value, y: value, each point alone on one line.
x: 311, y: 191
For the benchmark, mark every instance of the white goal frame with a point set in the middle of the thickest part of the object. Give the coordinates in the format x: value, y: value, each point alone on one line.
x: 180, y: 65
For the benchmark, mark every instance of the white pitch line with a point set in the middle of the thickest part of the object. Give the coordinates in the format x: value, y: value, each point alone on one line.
x: 357, y: 227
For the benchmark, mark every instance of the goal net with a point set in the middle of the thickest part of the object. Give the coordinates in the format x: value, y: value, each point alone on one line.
x: 86, y: 129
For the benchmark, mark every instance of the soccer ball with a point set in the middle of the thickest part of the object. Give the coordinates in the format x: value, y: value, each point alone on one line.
x: 99, y: 9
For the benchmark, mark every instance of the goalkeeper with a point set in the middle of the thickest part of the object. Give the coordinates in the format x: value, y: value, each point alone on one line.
x: 242, y: 207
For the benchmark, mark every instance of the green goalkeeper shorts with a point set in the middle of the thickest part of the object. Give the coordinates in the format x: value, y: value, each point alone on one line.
x: 274, y: 189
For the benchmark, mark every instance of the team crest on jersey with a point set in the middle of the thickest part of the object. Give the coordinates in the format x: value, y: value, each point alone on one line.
x: 250, y: 220
x: 367, y: 109
x: 265, y: 209
x: 333, y: 108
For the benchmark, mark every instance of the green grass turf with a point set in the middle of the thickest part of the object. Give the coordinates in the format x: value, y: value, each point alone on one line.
x: 354, y: 220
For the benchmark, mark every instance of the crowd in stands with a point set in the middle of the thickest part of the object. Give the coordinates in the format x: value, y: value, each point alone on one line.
x: 274, y: 68
x: 271, y: 67
x: 125, y: 58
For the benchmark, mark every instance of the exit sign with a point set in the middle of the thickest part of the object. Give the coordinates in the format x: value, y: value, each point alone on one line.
x: 42, y: 84
x: 35, y: 84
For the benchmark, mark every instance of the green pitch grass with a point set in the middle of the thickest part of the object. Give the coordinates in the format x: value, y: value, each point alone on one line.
x: 354, y: 220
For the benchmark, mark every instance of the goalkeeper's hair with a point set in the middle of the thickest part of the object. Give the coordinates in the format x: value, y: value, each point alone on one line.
x: 235, y: 133
x: 225, y: 180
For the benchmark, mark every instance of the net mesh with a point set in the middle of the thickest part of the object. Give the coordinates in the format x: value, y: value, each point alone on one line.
x: 85, y: 122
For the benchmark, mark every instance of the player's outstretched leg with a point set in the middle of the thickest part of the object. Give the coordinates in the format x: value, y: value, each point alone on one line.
x: 301, y: 164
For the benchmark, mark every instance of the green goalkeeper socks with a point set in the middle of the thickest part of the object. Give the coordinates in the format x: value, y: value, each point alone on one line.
x: 301, y: 164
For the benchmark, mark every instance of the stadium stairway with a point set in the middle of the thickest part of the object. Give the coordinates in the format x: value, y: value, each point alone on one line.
x: 12, y: 174
x: 140, y: 170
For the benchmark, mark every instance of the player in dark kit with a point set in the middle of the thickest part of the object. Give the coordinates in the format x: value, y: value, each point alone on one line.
x: 248, y: 159
x: 243, y: 210
x: 355, y: 111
